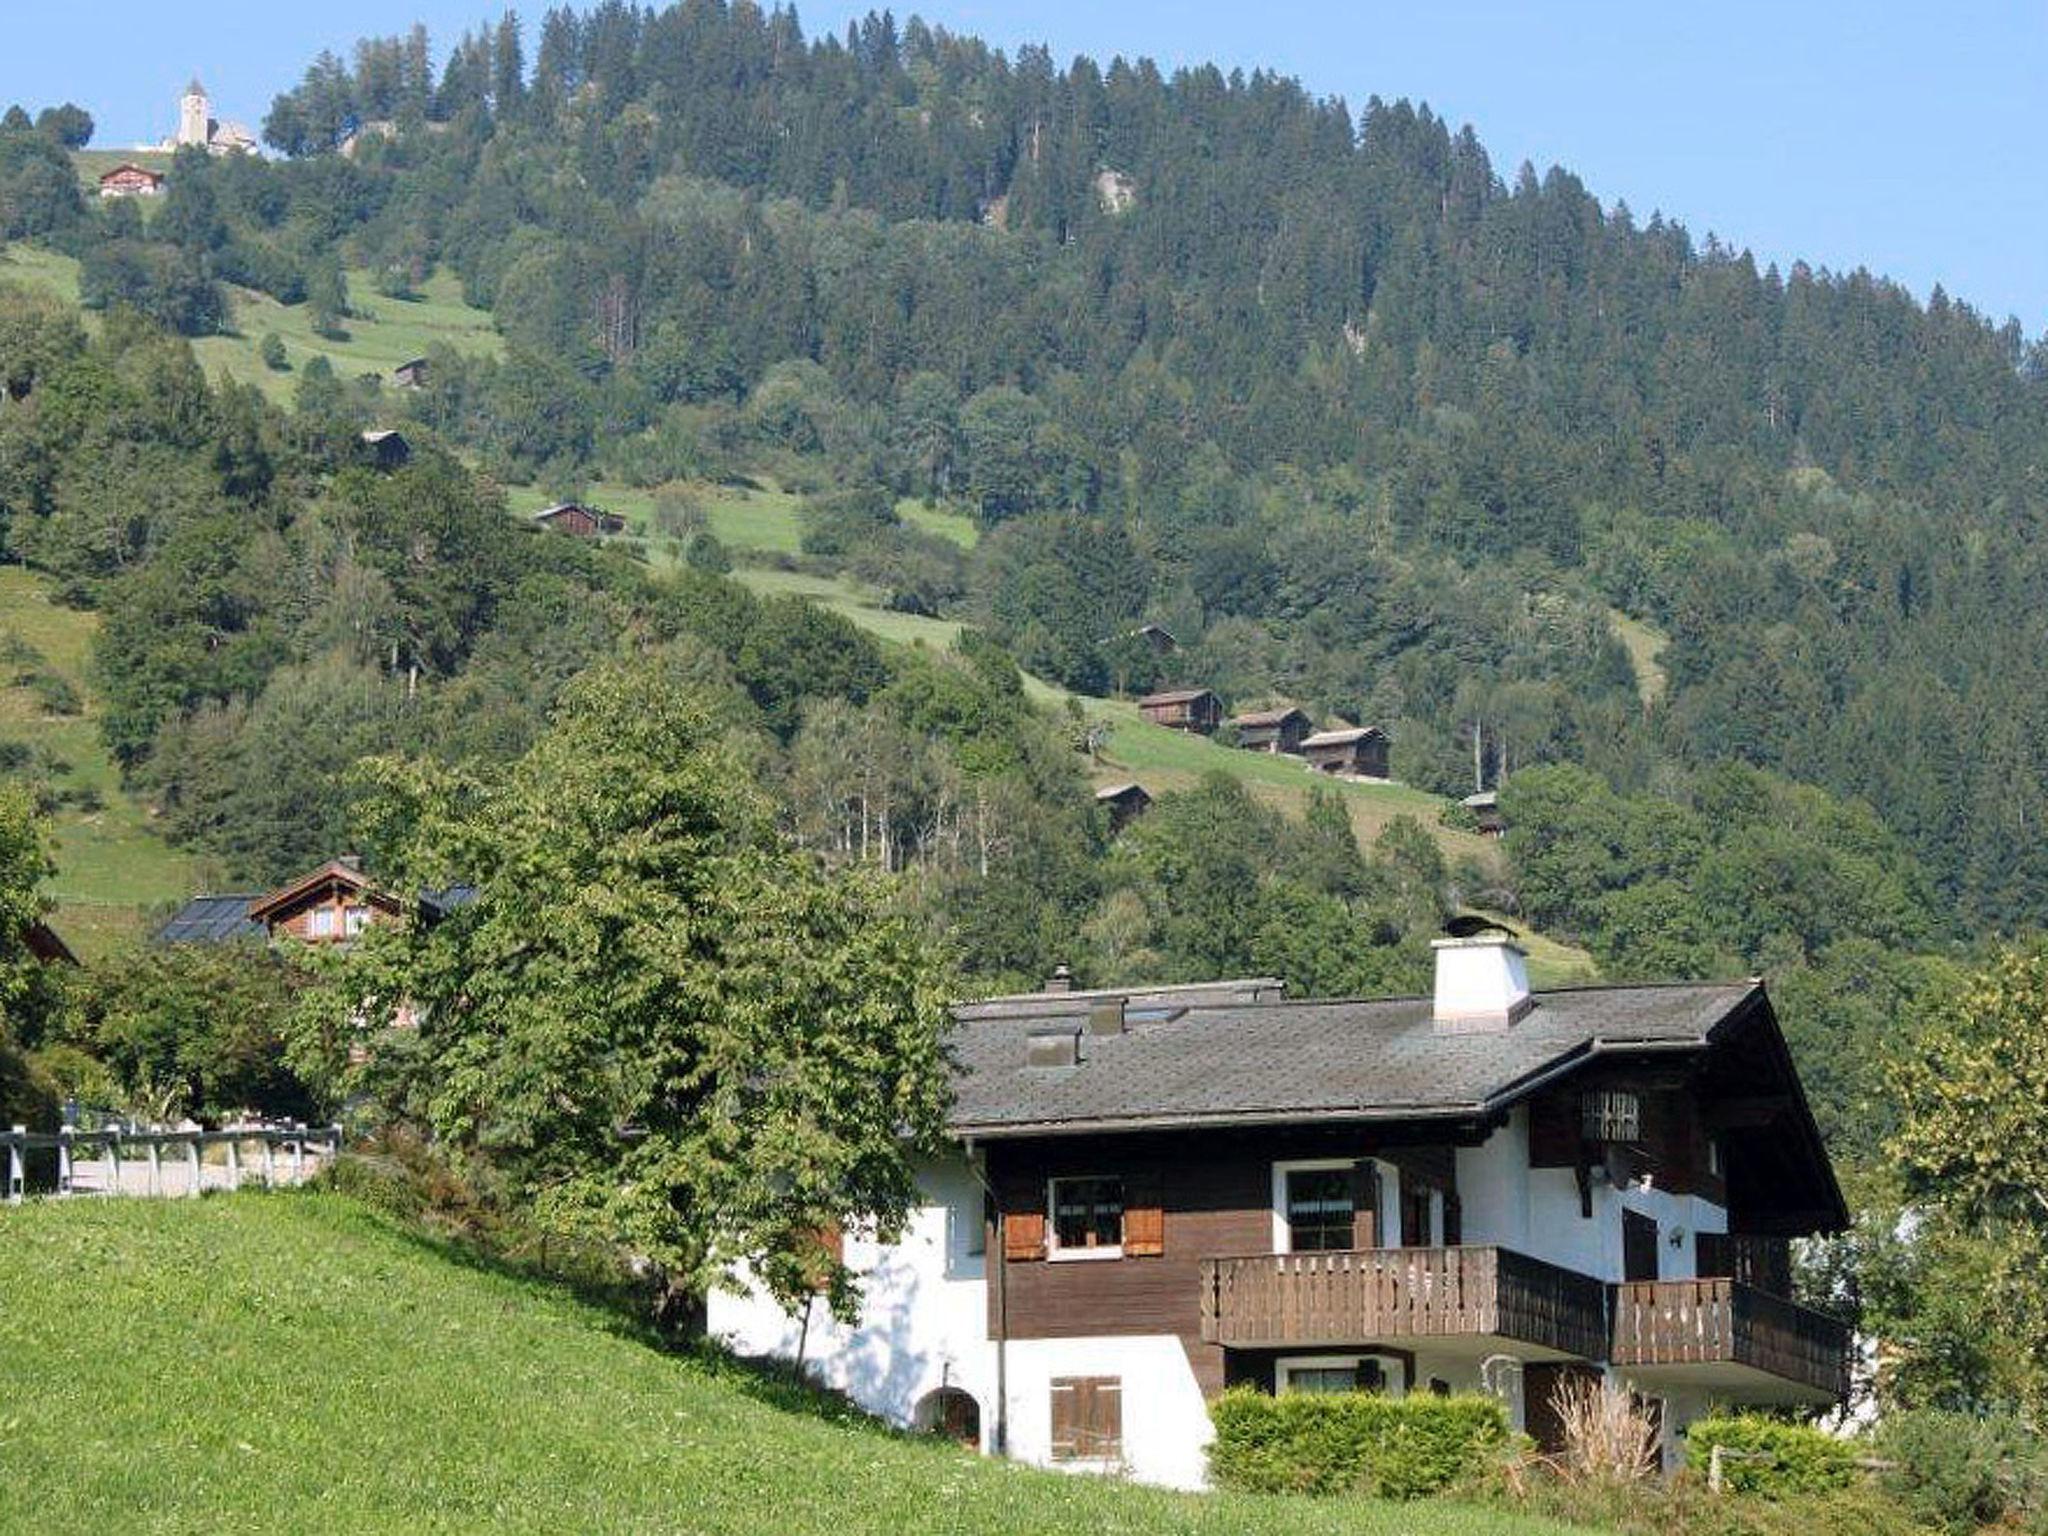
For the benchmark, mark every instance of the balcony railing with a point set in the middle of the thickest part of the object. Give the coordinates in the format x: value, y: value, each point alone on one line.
x: 1372, y: 1294
x: 1717, y: 1322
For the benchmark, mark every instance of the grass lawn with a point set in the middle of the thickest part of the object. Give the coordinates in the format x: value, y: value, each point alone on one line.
x: 295, y: 1363
x: 111, y: 866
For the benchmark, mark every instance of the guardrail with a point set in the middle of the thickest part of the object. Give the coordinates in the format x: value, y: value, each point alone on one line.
x: 134, y: 1162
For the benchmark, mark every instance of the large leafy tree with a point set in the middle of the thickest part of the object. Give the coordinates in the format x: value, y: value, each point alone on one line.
x: 1973, y: 1142
x: 665, y: 1025
x: 32, y: 994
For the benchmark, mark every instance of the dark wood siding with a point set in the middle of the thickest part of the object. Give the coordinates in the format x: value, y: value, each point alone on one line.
x: 1214, y: 1198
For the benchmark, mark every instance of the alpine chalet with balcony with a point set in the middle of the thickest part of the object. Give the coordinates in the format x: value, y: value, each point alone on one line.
x: 1159, y: 1193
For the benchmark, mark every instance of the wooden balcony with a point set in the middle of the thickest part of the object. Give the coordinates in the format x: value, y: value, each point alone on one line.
x: 1732, y: 1336
x: 1386, y: 1294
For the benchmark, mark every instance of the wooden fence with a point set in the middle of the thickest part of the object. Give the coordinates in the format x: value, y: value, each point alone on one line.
x: 162, y: 1163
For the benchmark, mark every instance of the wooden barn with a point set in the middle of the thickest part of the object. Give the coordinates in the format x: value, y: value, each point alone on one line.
x: 584, y: 522
x: 1124, y: 802
x: 129, y: 180
x: 1358, y: 751
x: 410, y: 374
x: 1158, y: 637
x: 1183, y: 709
x: 1485, y: 809
x: 387, y: 448
x: 1273, y: 730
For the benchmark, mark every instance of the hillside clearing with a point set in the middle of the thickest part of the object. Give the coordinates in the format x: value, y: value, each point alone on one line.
x: 295, y: 1362
x: 111, y: 866
x: 1645, y: 644
x: 383, y: 332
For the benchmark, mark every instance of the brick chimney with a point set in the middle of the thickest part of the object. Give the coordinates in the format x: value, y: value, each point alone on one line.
x: 1482, y: 983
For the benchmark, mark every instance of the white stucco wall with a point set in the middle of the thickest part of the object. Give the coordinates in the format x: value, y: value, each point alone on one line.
x: 924, y: 1311
x: 1166, y: 1429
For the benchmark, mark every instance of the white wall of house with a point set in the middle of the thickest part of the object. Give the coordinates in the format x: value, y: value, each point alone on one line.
x: 924, y: 1311
x: 1536, y: 1210
x: 1166, y: 1429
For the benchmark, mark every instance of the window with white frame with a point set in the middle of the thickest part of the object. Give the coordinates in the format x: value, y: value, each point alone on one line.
x: 1086, y: 1218
x: 322, y: 923
x: 1378, y: 1374
x: 1315, y: 1203
x: 354, y: 920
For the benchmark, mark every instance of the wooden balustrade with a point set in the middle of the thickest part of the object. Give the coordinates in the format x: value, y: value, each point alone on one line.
x: 1684, y: 1322
x: 1363, y: 1295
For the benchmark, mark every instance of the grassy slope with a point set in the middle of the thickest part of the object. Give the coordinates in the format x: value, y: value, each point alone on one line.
x: 291, y: 1362
x: 383, y: 334
x: 110, y: 865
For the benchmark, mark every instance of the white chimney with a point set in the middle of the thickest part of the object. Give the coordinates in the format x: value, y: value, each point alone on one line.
x: 1482, y: 983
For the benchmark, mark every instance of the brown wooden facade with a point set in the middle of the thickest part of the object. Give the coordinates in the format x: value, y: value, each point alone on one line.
x: 1183, y: 709
x: 331, y: 905
x: 1273, y: 730
x: 1360, y: 751
x: 584, y: 522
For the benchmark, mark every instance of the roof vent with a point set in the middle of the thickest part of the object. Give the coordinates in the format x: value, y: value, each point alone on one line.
x: 1059, y: 1047
x: 1061, y: 979
x: 1482, y: 983
x: 1106, y: 1016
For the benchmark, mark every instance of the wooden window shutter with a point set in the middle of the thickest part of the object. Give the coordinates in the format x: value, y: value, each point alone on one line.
x: 831, y: 1244
x: 1087, y: 1418
x: 1023, y: 1236
x: 1454, y: 1220
x: 1365, y: 1204
x: 1144, y: 1219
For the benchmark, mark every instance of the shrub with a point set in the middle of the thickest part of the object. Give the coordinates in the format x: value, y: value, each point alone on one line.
x: 1770, y: 1456
x: 1607, y: 1438
x: 273, y: 353
x: 1352, y: 1443
x: 1956, y: 1472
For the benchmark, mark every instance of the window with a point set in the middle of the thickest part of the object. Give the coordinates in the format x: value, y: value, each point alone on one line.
x: 1714, y: 1156
x: 1318, y: 1209
x: 1087, y: 1217
x: 355, y: 920
x: 322, y: 923
x: 1087, y: 1418
x: 1375, y: 1374
x: 1611, y: 1114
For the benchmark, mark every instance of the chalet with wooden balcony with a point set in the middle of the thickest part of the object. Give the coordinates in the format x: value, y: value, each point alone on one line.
x: 1160, y: 1193
x: 1273, y: 730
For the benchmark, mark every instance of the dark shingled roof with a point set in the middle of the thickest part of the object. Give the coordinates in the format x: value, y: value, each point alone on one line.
x: 211, y: 920
x: 1173, y: 696
x: 1249, y: 1063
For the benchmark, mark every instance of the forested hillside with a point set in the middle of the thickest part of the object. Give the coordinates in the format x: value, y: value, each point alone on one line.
x: 1386, y: 427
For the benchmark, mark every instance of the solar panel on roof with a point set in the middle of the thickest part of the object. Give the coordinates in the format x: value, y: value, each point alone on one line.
x: 210, y: 920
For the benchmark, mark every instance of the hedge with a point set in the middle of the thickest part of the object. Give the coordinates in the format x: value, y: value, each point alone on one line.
x: 1390, y: 1448
x: 1801, y: 1459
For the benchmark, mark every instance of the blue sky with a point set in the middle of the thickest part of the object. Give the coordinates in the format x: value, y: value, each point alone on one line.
x: 1908, y: 139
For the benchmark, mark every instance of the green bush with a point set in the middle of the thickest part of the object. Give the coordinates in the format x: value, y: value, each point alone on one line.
x: 1802, y: 1459
x: 1956, y: 1472
x: 1352, y: 1443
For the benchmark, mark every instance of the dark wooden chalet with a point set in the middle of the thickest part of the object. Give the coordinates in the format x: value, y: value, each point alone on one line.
x: 410, y: 374
x: 1183, y: 709
x: 387, y: 448
x: 584, y: 522
x: 1406, y: 1192
x: 1273, y: 730
x: 1360, y: 751
x: 1124, y: 802
x: 1158, y: 637
x: 48, y: 946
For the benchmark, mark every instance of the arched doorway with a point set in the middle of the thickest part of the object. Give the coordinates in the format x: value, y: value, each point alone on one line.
x: 952, y: 1413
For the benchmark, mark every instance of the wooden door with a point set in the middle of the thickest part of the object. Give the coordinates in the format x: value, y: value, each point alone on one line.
x: 1541, y: 1416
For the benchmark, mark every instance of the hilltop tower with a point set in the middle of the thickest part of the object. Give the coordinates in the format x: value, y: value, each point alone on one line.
x: 195, y: 116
